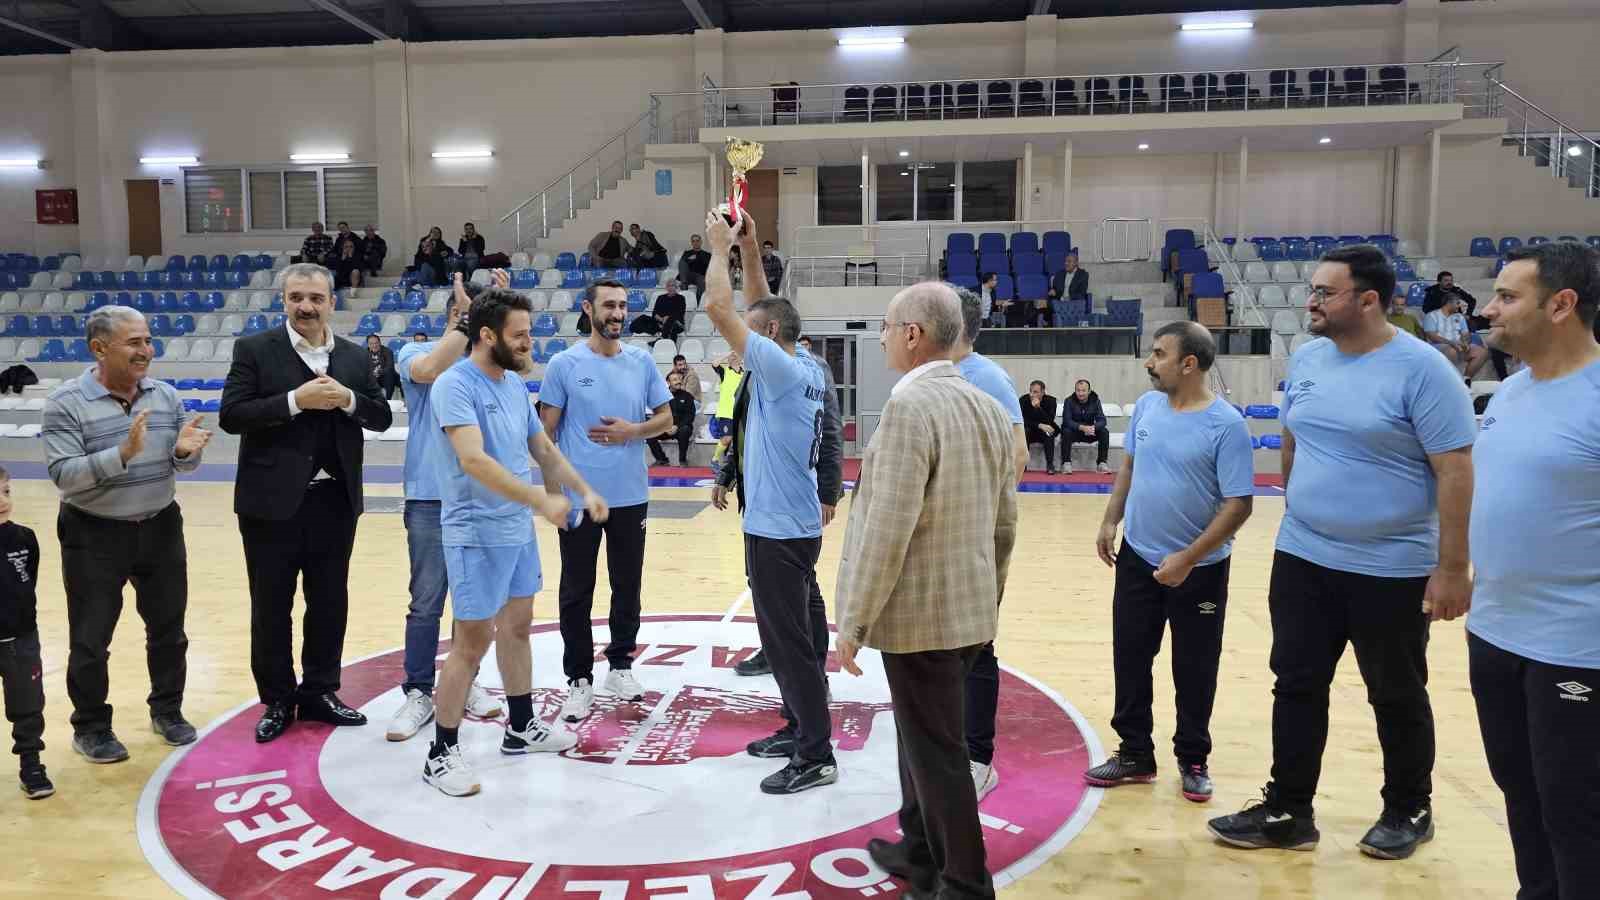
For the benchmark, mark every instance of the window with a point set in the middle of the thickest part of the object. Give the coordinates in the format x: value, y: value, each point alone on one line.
x: 280, y: 199
x: 839, y: 195
x: 897, y: 193
x: 213, y: 200
x: 917, y: 192
x: 989, y: 191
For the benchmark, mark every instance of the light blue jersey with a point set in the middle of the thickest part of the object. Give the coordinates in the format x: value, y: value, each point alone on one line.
x: 586, y: 386
x: 426, y: 445
x: 1535, y: 532
x: 1186, y: 464
x: 1362, y: 496
x: 471, y: 515
x: 986, y: 375
x: 782, y: 435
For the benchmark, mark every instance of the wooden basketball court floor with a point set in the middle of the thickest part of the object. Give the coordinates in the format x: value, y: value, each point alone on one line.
x: 1143, y: 841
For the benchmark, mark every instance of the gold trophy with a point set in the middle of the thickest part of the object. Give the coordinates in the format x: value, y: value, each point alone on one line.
x: 742, y: 156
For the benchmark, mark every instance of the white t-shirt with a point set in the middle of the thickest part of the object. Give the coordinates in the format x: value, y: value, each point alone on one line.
x: 1451, y: 328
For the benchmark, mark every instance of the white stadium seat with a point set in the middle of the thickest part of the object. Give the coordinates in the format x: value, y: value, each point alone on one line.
x: 54, y: 302
x: 1410, y: 249
x: 261, y: 278
x: 1112, y: 410
x: 1285, y: 273
x: 8, y: 349
x: 206, y: 325
x: 260, y: 300
x: 481, y: 277
x: 155, y: 263
x: 642, y: 342
x: 693, y: 350
x: 393, y: 325
x: 202, y: 350
x: 539, y: 299
x: 8, y: 430
x: 77, y: 300
x: 550, y: 278
x: 1244, y: 251
x: 438, y: 301
x: 541, y: 261
x: 569, y: 323
x: 1286, y: 321
x: 700, y: 326
x: 32, y: 404
x: 28, y: 348
x: 224, y: 351
x: 10, y: 302
x: 1257, y: 272
x: 31, y: 430
x: 1307, y: 269
x: 519, y: 260
x: 231, y: 325
x: 74, y: 263
x: 176, y: 350
x: 1272, y: 297
x: 560, y: 301
x: 1429, y: 269
x: 31, y: 302
x: 716, y: 349
x: 1298, y: 294
x: 664, y: 351
x: 62, y: 281
x: 1251, y: 318
x: 42, y: 281
x: 395, y: 433
x: 133, y: 264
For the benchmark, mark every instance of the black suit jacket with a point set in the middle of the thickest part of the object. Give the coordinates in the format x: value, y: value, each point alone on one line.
x: 1044, y: 414
x: 1077, y: 290
x: 276, y: 455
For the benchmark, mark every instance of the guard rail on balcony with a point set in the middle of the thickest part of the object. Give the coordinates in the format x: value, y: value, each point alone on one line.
x: 1436, y: 81
x: 1550, y: 141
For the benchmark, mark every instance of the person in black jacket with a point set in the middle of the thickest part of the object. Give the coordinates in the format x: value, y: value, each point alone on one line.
x: 300, y: 396
x: 1084, y: 422
x: 380, y: 359
x: 1071, y: 283
x: 683, y: 410
x: 469, y: 250
x: 432, y: 259
x: 374, y: 250
x: 19, y: 646
x: 1039, y: 422
x: 647, y: 252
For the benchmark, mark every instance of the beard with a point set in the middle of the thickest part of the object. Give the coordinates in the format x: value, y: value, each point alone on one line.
x: 611, y: 329
x: 503, y: 356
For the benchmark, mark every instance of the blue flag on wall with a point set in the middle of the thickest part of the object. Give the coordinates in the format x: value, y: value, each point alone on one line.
x: 663, y: 182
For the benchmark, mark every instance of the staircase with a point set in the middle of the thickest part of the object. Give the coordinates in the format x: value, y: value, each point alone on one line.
x: 535, y: 221
x: 1552, y: 144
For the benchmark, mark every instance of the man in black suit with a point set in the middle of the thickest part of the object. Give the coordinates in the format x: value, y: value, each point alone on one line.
x: 1039, y: 422
x: 300, y: 397
x: 1071, y: 283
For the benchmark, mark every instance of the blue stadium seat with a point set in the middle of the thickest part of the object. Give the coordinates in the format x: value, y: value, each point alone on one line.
x: 1387, y: 243
x: 192, y: 404
x: 584, y: 262
x: 276, y: 304
x: 638, y: 302
x: 155, y: 279
x: 1193, y: 262
x: 369, y: 324
x: 240, y: 263
x: 1297, y: 250
x: 389, y: 302
x: 991, y: 242
x: 1003, y: 287
x: 52, y: 351
x: 44, y: 326
x: 234, y: 280
x: 1055, y: 262
x: 959, y: 242
x: 1569, y: 238
x: 179, y: 261
x: 1207, y: 284
x: 1416, y: 293
x: 182, y: 325
x: 573, y: 278
x: 1025, y: 242
x: 1057, y: 242
x: 101, y: 298
x: 566, y: 262
x: 1508, y: 244
x: 1403, y: 271
x: 1255, y: 442
x: 1538, y: 239
x: 85, y: 280
x: 964, y: 265
x: 554, y: 346
x: 993, y: 262
x: 396, y: 345
x: 160, y: 326
x: 276, y: 321
x: 545, y: 325
x: 217, y: 263
x: 1498, y: 265
x: 19, y: 326
x: 1032, y: 287
x: 1260, y: 411
x: 1271, y: 441
x: 212, y: 302
x: 970, y: 282
x: 524, y: 279
x: 145, y: 302
x: 214, y: 384
x: 130, y: 280
x: 254, y: 324
x: 1593, y: 240
x: 419, y: 322
x: 414, y: 301
x: 262, y: 261
x: 6, y: 281
x: 78, y: 350
x: 211, y: 406
x: 536, y: 353
x: 50, y: 263
x: 1027, y: 263
x: 438, y: 325
x: 168, y: 301
x: 1271, y: 251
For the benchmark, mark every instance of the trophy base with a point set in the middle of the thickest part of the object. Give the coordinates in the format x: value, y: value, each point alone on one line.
x: 726, y: 212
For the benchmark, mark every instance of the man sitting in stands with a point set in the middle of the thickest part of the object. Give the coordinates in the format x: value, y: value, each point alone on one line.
x: 692, y: 266
x: 670, y: 310
x: 1403, y: 320
x: 1084, y: 422
x: 1447, y: 329
x: 691, y: 380
x: 683, y: 410
x: 609, y: 249
x: 772, y: 266
x: 420, y: 337
x: 346, y: 261
x: 1447, y: 287
x: 469, y: 250
x: 318, y: 247
x: 1039, y: 422
x: 374, y: 250
x: 1071, y: 283
x: 647, y: 251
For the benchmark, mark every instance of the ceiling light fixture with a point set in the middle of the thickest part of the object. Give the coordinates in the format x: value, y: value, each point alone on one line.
x: 904, y: 153
x: 1574, y: 150
x: 168, y: 160
x: 480, y: 153
x: 318, y: 157
x: 20, y: 163
x: 1144, y: 146
x: 1326, y: 140
x: 1216, y: 26
x: 871, y: 41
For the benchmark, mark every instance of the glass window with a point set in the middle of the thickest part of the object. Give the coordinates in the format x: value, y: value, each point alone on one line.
x: 936, y: 192
x: 266, y: 200
x: 213, y: 200
x: 839, y: 195
x: 301, y: 204
x: 897, y: 193
x: 351, y: 195
x: 989, y: 191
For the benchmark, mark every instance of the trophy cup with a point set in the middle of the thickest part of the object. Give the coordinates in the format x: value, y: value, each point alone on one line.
x: 742, y: 156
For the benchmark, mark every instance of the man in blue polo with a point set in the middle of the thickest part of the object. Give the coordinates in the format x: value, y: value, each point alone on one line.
x: 781, y: 439
x: 983, y: 682
x: 1186, y: 488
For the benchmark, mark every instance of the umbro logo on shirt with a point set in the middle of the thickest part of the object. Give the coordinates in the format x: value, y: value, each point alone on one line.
x: 1143, y: 433
x: 586, y: 382
x: 1486, y: 423
x: 1208, y: 608
x: 1573, y: 690
x: 1307, y: 385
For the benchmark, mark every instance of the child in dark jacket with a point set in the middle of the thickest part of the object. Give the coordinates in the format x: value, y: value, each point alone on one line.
x: 20, y: 671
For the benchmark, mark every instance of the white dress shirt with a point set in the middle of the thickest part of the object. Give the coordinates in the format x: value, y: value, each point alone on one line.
x: 916, y: 373
x: 316, y: 359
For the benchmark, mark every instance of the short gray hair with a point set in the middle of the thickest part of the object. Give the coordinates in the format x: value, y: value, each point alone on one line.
x: 1194, y: 340
x: 103, y: 322
x: 936, y: 307
x: 303, y: 270
x: 780, y: 310
x: 971, y: 314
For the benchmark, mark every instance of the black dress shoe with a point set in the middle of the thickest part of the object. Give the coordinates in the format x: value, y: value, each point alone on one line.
x: 893, y: 858
x: 330, y: 709
x: 275, y: 721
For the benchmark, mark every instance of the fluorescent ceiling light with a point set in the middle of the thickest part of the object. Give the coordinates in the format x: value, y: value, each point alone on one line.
x: 904, y: 153
x: 1144, y: 146
x: 168, y: 160
x: 481, y: 153
x: 318, y: 157
x: 1326, y: 140
x: 1574, y: 150
x: 20, y: 163
x: 871, y: 41
x: 1216, y: 26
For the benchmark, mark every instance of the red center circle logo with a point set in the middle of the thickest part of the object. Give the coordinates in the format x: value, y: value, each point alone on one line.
x: 657, y: 800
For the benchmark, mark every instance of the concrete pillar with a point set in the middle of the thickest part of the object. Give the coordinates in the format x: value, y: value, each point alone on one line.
x: 866, y: 192
x: 392, y: 115
x: 1239, y: 189
x: 1039, y: 53
x: 102, y: 201
x: 1066, y: 181
x: 1026, y: 213
x: 1433, y: 192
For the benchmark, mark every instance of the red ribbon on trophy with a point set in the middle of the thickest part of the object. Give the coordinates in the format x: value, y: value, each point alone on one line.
x: 742, y: 156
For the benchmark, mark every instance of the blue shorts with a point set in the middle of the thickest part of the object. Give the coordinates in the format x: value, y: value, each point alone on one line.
x: 482, y: 579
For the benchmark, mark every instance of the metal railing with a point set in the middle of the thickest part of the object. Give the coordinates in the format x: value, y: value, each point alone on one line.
x: 853, y: 271
x: 1568, y: 152
x: 1445, y: 80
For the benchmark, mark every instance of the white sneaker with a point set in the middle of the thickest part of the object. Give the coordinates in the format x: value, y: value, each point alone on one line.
x: 622, y: 683
x: 1066, y: 468
x: 415, y: 712
x: 451, y: 774
x: 539, y: 738
x: 985, y: 779
x: 580, y: 699
x: 1103, y: 469
x: 481, y: 703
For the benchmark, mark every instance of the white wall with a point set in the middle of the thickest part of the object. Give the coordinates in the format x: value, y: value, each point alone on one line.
x: 1546, y: 46
x: 37, y: 122
x: 814, y: 57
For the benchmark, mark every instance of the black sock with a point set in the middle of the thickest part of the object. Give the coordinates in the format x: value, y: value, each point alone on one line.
x: 443, y: 739
x: 521, y: 706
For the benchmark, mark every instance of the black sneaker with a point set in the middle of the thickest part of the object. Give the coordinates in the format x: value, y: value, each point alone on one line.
x: 100, y: 747
x: 755, y: 665
x: 1196, y: 782
x: 35, y: 783
x: 173, y: 728
x: 1260, y: 825
x: 780, y: 745
x: 798, y: 776
x: 1120, y: 770
x: 1397, y: 835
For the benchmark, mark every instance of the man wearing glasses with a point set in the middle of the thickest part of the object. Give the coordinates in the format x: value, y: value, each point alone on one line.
x: 1377, y: 470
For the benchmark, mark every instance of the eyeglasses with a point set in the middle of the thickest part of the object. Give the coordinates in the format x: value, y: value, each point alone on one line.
x: 883, y: 327
x: 1322, y: 295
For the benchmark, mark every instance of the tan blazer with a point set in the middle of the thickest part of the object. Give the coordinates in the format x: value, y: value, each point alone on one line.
x: 932, y: 522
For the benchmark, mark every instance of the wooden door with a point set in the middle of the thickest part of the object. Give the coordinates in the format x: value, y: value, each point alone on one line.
x: 762, y: 204
x: 144, y: 217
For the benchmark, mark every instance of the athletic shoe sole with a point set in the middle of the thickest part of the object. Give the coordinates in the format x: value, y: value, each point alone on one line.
x: 1247, y: 845
x: 1118, y: 782
x: 171, y: 743
x: 37, y: 795
x: 830, y: 778
x: 99, y: 762
x: 402, y: 736
x: 1195, y: 798
x: 1378, y: 853
x: 436, y: 786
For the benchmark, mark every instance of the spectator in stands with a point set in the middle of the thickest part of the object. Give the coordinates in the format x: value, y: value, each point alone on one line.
x: 433, y: 258
x: 1403, y: 320
x: 670, y: 311
x: 1039, y: 422
x: 343, y: 235
x: 691, y: 381
x: 805, y: 342
x: 1084, y: 422
x: 1071, y: 283
x: 469, y: 250
x: 647, y: 252
x: 113, y: 446
x: 692, y: 266
x: 420, y: 337
x: 994, y: 313
x: 1447, y: 287
x: 772, y: 265
x: 374, y: 250
x: 683, y: 410
x: 317, y: 247
x: 346, y: 262
x: 1446, y: 328
x: 609, y: 249
x: 736, y: 259
x: 380, y: 360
